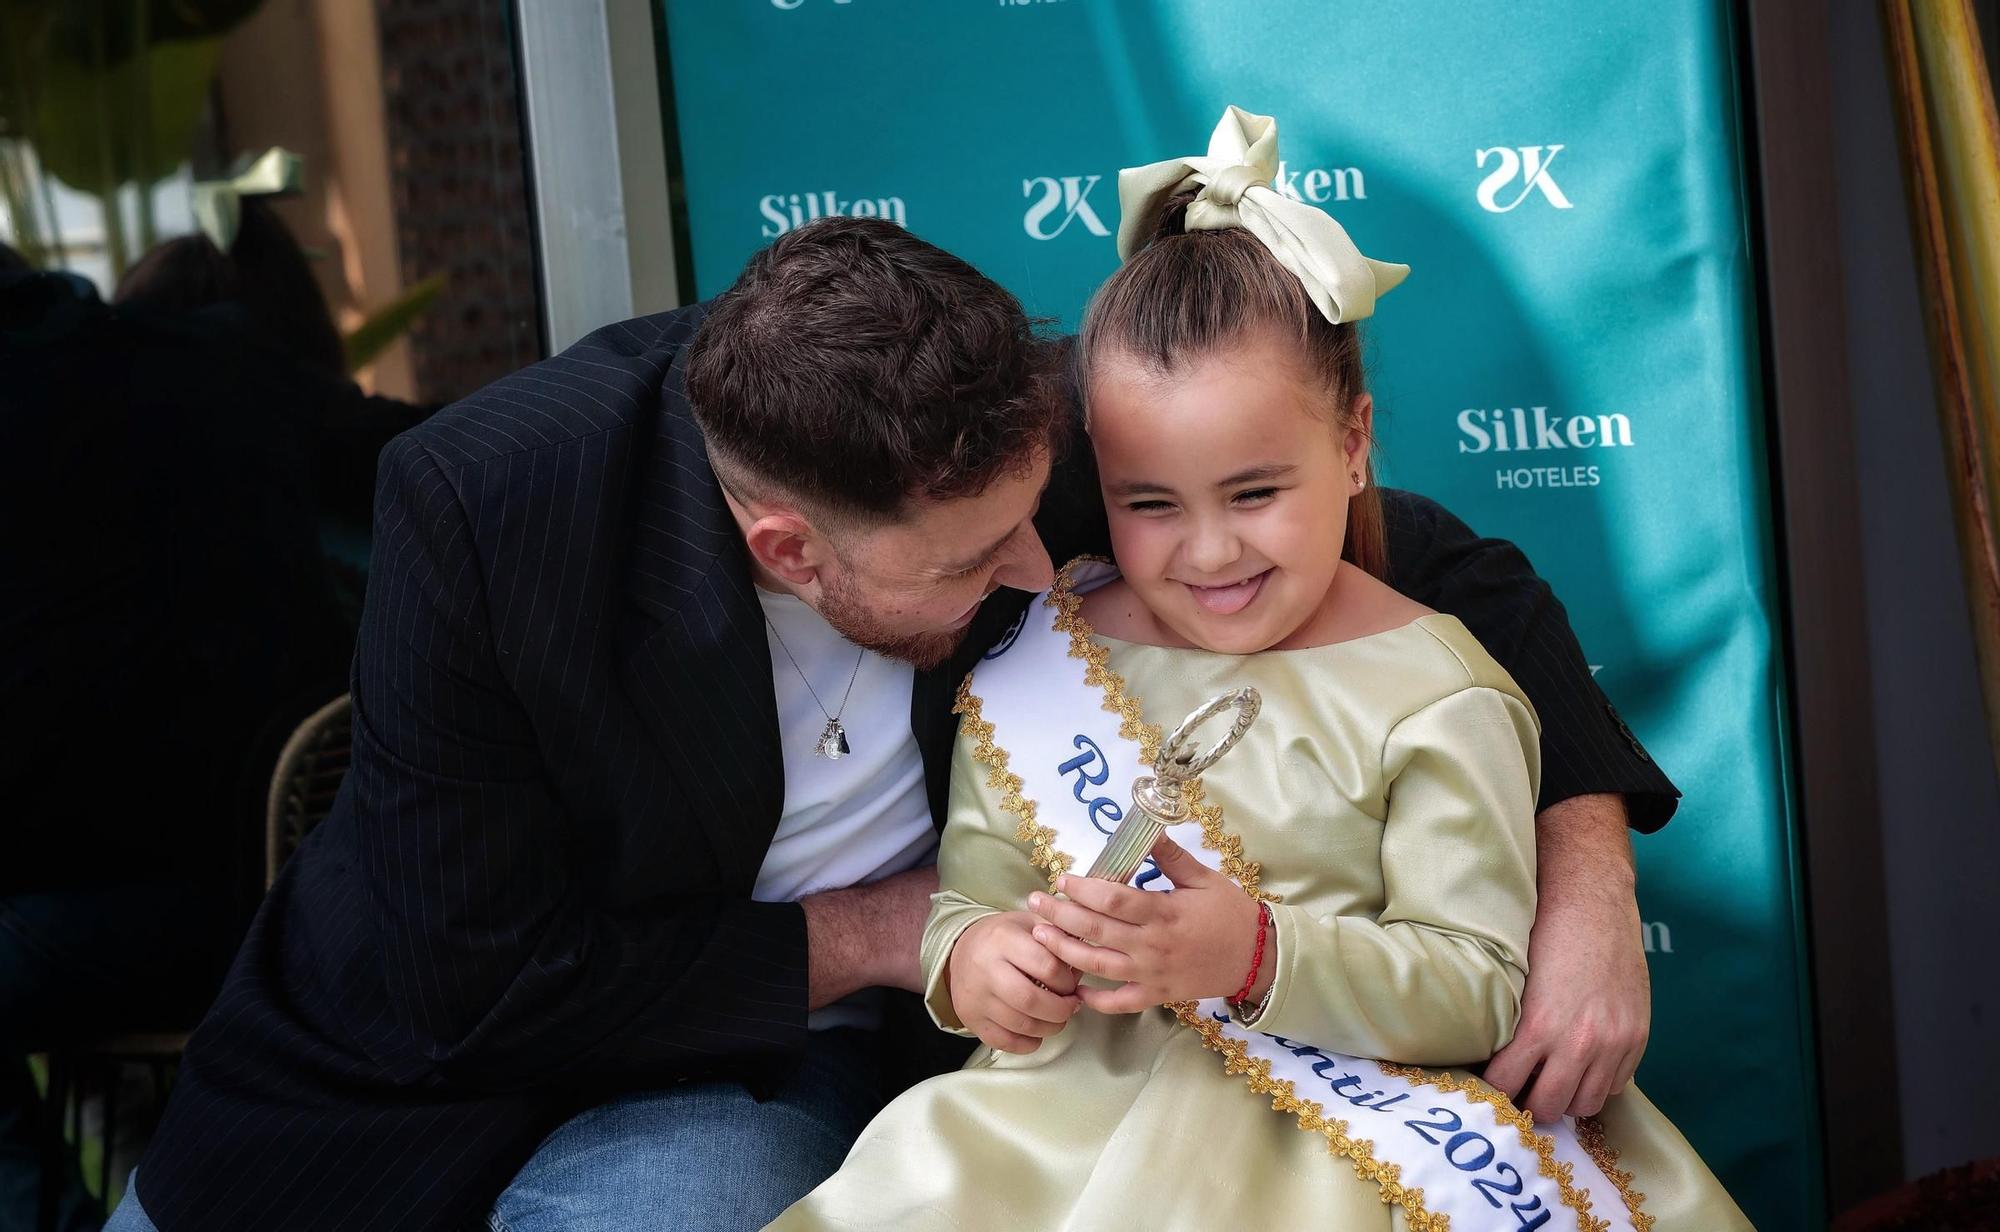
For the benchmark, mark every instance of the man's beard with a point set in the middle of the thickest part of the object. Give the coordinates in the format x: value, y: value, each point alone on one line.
x: 841, y: 605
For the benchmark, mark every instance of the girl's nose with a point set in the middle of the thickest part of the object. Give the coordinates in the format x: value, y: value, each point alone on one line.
x: 1212, y: 547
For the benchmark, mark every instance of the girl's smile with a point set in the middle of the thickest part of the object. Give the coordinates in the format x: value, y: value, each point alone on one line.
x: 1228, y: 598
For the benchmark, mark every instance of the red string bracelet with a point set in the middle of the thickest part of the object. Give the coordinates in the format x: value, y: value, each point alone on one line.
x: 1256, y: 959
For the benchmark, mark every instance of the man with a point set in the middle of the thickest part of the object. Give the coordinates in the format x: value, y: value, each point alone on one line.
x: 591, y: 873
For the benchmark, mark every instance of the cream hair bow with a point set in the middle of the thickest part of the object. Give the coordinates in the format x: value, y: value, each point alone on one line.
x: 1235, y: 183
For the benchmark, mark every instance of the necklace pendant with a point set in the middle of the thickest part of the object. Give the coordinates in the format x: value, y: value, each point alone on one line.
x: 832, y: 742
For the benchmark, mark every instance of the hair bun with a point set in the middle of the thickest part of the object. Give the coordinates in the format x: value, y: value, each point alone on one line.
x: 1173, y: 216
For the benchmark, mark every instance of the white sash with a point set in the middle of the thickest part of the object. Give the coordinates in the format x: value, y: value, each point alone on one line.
x: 1062, y: 743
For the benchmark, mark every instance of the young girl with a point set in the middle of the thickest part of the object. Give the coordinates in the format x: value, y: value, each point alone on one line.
x: 1242, y: 1049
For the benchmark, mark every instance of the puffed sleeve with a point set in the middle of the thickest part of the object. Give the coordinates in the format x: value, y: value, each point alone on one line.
x: 983, y: 869
x: 1436, y: 978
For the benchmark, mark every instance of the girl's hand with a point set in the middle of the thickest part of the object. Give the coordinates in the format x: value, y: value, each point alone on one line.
x: 1006, y: 989
x: 1193, y: 941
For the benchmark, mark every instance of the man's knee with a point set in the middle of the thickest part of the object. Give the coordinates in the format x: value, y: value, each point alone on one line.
x: 700, y: 1156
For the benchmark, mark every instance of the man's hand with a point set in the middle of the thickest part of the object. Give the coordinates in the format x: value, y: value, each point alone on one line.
x: 1007, y: 989
x: 867, y: 936
x: 1194, y: 941
x: 1587, y: 1009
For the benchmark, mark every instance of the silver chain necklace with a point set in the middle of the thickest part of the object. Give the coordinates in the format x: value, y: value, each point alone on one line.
x: 832, y: 743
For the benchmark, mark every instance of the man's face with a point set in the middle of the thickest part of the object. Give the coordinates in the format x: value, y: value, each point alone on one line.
x: 909, y: 588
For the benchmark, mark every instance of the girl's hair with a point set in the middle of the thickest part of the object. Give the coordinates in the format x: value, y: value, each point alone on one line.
x: 1187, y: 294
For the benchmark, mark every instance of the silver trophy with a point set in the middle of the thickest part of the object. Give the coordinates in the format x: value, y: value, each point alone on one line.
x: 1156, y: 798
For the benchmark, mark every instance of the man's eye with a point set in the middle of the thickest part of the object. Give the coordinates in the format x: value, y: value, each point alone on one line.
x: 1256, y: 496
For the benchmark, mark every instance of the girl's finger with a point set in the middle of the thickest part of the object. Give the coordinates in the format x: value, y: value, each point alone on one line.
x: 1082, y: 923
x: 1120, y: 902
x: 1002, y: 1040
x: 1097, y: 960
x: 1039, y: 1003
x: 1033, y: 960
x: 1181, y: 868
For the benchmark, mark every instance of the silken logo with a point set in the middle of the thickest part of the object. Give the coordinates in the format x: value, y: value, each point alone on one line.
x: 1532, y: 429
x: 789, y: 211
x: 1056, y: 201
x: 789, y: 5
x: 1528, y: 164
x: 1518, y: 429
x: 1068, y: 195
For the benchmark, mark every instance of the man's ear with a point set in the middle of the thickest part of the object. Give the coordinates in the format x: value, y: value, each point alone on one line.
x: 786, y: 544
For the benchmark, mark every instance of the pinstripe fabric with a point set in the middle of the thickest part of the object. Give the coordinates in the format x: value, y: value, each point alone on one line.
x: 533, y: 890
x: 534, y: 886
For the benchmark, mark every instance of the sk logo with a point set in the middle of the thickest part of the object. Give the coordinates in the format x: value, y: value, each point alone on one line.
x: 1070, y: 194
x: 1531, y: 164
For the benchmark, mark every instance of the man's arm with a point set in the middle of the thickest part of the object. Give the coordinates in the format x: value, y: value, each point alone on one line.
x: 1586, y: 1012
x: 1587, y: 1008
x: 868, y: 936
x: 502, y: 970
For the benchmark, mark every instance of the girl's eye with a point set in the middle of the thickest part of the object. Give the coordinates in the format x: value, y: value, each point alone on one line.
x: 1255, y: 496
x: 1149, y: 506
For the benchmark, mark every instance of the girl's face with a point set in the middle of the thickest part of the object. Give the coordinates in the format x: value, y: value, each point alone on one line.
x: 1227, y: 489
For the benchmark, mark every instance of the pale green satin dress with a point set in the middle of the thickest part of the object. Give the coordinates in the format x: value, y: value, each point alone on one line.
x: 1387, y: 792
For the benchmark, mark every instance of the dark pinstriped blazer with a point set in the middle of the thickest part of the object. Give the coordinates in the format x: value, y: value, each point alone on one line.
x: 533, y: 891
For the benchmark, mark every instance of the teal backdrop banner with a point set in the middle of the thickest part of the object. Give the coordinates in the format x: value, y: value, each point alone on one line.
x: 1572, y: 363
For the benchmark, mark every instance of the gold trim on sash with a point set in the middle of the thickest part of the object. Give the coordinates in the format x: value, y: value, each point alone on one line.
x: 1591, y: 1137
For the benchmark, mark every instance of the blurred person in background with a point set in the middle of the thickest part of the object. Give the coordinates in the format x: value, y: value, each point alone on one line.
x: 168, y: 462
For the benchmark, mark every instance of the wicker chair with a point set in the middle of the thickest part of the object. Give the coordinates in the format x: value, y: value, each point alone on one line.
x: 310, y: 769
x: 303, y: 787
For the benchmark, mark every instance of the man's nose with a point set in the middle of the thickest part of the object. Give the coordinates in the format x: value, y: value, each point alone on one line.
x: 1026, y: 566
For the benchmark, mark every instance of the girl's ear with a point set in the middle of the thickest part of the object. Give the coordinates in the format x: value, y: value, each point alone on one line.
x: 1359, y: 434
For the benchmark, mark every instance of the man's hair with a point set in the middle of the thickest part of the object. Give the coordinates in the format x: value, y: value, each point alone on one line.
x: 854, y: 367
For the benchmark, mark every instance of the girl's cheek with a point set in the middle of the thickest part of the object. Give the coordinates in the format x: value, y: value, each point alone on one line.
x: 1142, y: 544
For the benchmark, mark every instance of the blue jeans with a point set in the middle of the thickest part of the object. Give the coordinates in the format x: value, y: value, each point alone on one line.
x: 700, y: 1155
x: 130, y: 1216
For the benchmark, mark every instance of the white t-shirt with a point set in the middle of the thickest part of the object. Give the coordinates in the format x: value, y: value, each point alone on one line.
x: 851, y: 820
